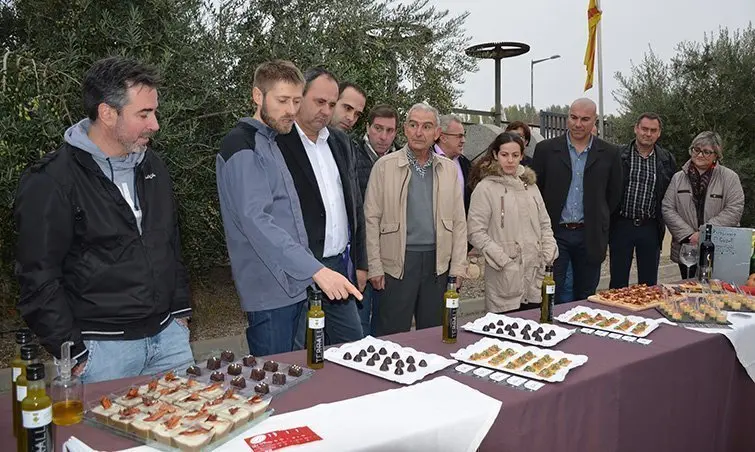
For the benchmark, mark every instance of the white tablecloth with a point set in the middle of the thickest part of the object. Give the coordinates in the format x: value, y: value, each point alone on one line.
x: 742, y: 337
x: 437, y: 415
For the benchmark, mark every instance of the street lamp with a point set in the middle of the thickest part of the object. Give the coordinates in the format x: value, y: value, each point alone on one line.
x: 532, y: 76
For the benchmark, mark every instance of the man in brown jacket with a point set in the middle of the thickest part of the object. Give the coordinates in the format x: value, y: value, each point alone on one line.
x: 416, y: 227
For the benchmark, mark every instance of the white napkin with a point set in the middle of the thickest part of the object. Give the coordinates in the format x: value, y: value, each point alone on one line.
x: 439, y: 415
x: 742, y: 337
x: 76, y: 445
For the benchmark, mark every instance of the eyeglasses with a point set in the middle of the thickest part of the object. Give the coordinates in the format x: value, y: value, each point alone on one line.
x: 455, y: 135
x: 705, y: 152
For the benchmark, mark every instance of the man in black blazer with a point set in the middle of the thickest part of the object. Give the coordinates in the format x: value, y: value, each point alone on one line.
x: 580, y: 178
x: 321, y: 162
x: 450, y: 143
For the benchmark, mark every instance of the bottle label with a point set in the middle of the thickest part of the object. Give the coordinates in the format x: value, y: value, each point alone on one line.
x: 317, y: 353
x: 550, y: 289
x: 38, y: 429
x: 20, y: 393
x: 317, y: 323
x: 453, y: 326
x: 452, y: 302
x: 16, y: 373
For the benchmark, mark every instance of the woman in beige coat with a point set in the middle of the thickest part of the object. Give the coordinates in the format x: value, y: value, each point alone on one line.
x: 509, y: 225
x: 703, y: 192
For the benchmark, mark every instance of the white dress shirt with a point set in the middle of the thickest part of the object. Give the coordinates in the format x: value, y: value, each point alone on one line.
x: 331, y: 189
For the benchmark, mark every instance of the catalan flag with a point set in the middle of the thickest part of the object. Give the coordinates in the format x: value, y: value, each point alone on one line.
x: 593, y: 18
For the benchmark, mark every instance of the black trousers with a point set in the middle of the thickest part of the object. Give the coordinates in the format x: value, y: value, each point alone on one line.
x: 572, y: 247
x: 688, y: 275
x: 418, y: 294
x: 624, y: 241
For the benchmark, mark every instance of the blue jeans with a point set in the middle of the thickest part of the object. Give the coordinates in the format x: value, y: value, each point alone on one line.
x: 277, y: 330
x: 342, y: 321
x: 110, y: 360
x: 568, y: 291
x: 368, y: 310
x: 572, y: 249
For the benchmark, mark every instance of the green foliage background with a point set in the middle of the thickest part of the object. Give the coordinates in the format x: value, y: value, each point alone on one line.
x: 206, y: 52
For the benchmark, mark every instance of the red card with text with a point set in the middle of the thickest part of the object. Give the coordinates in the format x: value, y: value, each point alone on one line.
x: 281, y: 438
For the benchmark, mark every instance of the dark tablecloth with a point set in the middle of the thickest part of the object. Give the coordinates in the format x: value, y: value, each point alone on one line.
x: 684, y: 392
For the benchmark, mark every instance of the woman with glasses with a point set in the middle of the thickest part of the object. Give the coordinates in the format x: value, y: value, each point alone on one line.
x: 703, y: 192
x: 509, y: 225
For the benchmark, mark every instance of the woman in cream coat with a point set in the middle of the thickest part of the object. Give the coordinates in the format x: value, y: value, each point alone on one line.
x: 509, y: 225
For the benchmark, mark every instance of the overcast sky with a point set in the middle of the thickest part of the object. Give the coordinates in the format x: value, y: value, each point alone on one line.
x: 560, y: 27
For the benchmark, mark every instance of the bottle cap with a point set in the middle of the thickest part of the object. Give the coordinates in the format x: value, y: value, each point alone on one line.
x: 314, y: 291
x: 451, y: 279
x: 549, y: 268
x: 35, y: 372
x: 28, y: 352
x: 24, y: 336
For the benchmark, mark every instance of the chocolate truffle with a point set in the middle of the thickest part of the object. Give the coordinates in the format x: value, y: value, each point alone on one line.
x: 384, y: 366
x: 399, y: 363
x: 249, y: 361
x: 383, y: 351
x: 422, y: 363
x: 257, y: 374
x: 395, y: 355
x: 399, y: 371
x: 491, y: 325
x: 262, y: 388
x: 370, y: 349
x: 486, y: 328
x: 539, y: 330
x: 217, y: 376
x: 411, y: 368
x: 515, y: 325
x: 279, y: 379
x: 358, y: 358
x: 526, y: 327
x: 270, y: 366
x: 499, y: 323
x: 347, y: 356
x: 227, y: 356
x: 363, y: 353
x: 295, y: 370
x: 410, y: 359
x: 512, y: 333
x: 376, y: 356
x: 499, y: 331
x: 234, y: 369
x: 537, y: 338
x: 388, y: 360
x: 526, y: 336
x: 371, y: 362
x: 194, y: 370
x: 238, y: 382
x: 213, y: 363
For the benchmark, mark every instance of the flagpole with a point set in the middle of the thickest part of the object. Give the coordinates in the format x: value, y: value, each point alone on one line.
x: 599, y: 50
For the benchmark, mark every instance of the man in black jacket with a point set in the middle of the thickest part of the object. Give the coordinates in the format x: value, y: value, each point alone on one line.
x: 450, y: 144
x: 580, y: 178
x: 382, y: 123
x: 321, y: 162
x: 99, y: 257
x: 638, y: 225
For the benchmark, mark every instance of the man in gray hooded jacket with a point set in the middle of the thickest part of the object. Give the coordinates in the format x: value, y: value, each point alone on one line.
x: 98, y: 257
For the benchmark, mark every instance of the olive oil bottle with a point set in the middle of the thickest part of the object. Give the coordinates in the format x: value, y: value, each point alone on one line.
x: 23, y: 337
x: 548, y: 296
x: 450, y: 311
x: 36, y: 413
x: 315, y: 330
x: 28, y: 357
x: 66, y: 390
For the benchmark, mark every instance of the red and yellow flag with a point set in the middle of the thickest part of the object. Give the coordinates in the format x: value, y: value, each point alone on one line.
x: 593, y: 18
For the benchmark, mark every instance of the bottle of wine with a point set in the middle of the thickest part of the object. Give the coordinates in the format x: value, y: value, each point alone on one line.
x: 450, y: 311
x: 36, y: 412
x: 315, y: 330
x: 23, y: 337
x: 548, y: 296
x: 28, y: 357
x: 707, y: 253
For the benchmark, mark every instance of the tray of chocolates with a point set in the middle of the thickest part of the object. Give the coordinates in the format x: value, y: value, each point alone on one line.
x: 386, y: 359
x: 523, y: 360
x: 629, y: 325
x: 247, y: 374
x: 175, y: 413
x: 520, y: 330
